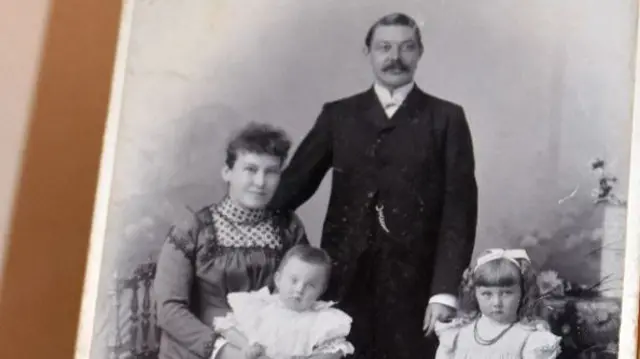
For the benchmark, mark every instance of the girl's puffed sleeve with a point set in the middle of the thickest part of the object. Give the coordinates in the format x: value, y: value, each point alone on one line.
x: 541, y: 344
x: 448, y: 337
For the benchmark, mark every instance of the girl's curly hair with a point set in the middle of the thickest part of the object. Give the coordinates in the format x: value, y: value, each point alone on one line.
x: 501, y: 273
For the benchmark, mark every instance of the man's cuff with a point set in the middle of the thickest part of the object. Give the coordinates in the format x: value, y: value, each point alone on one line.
x: 217, y: 345
x: 445, y: 299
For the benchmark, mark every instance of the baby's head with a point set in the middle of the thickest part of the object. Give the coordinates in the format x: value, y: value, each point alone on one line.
x: 303, y: 276
x: 501, y: 286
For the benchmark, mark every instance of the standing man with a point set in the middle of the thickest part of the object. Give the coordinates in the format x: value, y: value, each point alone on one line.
x: 401, y: 220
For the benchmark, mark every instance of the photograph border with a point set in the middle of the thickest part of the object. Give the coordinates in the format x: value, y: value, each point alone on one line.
x: 630, y: 314
x: 84, y: 336
x: 628, y: 339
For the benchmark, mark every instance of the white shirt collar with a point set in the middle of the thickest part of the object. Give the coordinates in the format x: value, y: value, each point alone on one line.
x: 399, y: 94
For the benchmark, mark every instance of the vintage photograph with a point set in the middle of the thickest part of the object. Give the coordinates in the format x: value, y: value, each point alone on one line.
x: 365, y: 179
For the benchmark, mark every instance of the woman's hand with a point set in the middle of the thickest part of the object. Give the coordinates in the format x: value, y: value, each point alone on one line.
x: 253, y: 351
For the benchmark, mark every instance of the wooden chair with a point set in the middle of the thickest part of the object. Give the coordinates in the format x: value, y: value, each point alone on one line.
x: 136, y: 335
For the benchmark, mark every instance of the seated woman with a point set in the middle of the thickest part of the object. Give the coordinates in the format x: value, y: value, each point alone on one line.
x: 292, y: 322
x: 232, y: 246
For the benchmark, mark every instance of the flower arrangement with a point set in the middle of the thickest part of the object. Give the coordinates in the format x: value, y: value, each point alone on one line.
x: 588, y: 323
x: 571, y: 283
x: 604, y: 191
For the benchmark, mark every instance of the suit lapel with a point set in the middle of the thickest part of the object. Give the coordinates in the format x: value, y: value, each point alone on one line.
x: 414, y: 101
x: 373, y: 111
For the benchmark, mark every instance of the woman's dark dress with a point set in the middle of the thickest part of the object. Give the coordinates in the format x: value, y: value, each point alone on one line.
x: 223, y: 248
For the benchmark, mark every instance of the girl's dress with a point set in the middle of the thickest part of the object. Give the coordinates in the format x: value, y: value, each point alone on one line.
x: 458, y: 341
x: 263, y: 318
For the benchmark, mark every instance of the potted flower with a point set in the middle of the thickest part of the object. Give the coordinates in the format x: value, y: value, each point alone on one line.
x: 579, y: 262
x: 587, y: 322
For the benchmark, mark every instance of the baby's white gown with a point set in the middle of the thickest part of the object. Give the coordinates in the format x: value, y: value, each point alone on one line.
x: 263, y: 318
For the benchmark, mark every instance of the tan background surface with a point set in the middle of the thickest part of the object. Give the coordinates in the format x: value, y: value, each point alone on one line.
x: 47, y: 199
x: 19, y: 66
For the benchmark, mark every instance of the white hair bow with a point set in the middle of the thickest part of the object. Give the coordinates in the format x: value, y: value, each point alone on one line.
x: 512, y: 255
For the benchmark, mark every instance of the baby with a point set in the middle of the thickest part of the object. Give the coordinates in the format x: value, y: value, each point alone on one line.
x: 292, y: 323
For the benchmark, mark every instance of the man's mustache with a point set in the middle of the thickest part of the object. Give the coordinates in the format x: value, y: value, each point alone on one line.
x: 396, y: 65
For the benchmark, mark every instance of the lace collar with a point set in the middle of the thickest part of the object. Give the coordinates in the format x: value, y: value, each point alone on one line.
x: 238, y: 214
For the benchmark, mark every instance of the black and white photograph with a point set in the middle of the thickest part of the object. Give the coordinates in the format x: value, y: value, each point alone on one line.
x: 366, y: 179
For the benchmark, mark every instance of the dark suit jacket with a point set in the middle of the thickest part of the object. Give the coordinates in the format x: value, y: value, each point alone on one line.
x: 419, y: 164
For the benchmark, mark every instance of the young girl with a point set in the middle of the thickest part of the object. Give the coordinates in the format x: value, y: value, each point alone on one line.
x: 291, y: 323
x: 496, y: 319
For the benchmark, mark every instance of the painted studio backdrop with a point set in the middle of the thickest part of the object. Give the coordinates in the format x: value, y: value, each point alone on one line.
x: 546, y: 85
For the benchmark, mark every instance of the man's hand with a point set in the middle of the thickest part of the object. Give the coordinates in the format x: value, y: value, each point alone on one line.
x: 436, y: 312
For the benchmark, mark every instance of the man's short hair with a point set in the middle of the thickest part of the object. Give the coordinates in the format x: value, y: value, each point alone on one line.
x: 398, y: 19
